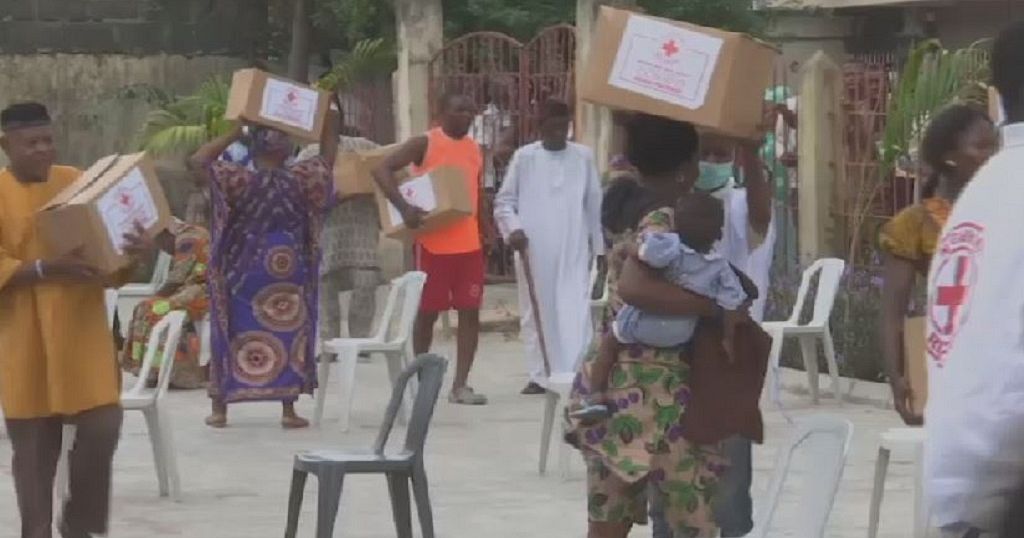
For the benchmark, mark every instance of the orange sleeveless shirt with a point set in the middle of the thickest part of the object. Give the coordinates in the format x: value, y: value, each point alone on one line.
x: 462, y: 236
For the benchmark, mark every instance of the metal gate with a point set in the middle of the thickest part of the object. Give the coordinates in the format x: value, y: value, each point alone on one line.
x: 869, y: 195
x: 508, y: 81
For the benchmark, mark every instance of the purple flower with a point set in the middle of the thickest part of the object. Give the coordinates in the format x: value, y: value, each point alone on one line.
x: 657, y: 475
x: 595, y: 435
x: 718, y: 469
x: 683, y: 396
x: 675, y: 433
x: 623, y: 403
x: 634, y: 397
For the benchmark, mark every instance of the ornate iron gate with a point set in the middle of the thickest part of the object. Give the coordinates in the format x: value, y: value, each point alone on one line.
x: 508, y: 81
x: 869, y: 195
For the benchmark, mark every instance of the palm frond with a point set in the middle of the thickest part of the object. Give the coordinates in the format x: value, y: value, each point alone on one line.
x: 367, y: 57
x: 932, y: 79
x: 173, y: 139
x: 187, y: 122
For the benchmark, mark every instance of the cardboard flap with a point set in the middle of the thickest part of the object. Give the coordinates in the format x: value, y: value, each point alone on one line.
x: 89, y: 185
x: 241, y: 85
x: 915, y: 358
x: 88, y: 178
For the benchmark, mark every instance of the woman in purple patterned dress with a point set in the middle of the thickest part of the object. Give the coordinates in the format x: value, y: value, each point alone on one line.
x: 264, y: 270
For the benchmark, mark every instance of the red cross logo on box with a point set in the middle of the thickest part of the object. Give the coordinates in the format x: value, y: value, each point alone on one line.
x: 956, y: 269
x: 670, y: 48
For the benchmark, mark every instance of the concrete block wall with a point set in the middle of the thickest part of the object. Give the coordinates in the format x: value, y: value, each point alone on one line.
x: 135, y: 27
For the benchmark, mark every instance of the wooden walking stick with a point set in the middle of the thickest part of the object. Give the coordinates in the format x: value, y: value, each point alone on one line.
x: 525, y: 259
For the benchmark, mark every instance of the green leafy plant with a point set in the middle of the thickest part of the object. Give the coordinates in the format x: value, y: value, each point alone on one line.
x: 932, y: 78
x: 367, y: 58
x: 180, y: 125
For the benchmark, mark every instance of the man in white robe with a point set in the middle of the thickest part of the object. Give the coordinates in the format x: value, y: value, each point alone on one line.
x: 549, y: 206
x: 974, y: 419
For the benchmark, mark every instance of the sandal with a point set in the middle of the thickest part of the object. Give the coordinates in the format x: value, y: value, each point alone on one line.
x: 466, y: 396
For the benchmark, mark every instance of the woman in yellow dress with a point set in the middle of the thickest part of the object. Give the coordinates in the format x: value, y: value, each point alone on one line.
x: 185, y: 289
x: 957, y: 142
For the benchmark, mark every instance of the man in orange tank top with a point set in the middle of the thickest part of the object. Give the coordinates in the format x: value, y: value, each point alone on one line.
x: 452, y: 257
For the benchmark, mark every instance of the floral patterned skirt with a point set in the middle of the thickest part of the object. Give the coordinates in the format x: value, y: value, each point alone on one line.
x: 641, y: 446
x: 187, y: 374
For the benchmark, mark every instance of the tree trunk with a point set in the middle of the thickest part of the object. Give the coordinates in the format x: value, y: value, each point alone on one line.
x: 298, y: 58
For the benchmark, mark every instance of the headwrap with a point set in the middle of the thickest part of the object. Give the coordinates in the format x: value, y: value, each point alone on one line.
x: 269, y: 140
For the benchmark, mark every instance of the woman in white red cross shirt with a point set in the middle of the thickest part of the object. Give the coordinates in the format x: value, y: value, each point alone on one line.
x: 974, y: 448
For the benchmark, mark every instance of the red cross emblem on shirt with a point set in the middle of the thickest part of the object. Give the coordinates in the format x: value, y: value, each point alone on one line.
x: 670, y: 48
x: 955, y: 269
x: 125, y: 199
x: 291, y: 96
x: 953, y: 295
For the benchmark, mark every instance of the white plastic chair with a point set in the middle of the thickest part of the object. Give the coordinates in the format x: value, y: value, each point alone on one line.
x: 130, y: 295
x: 110, y: 296
x: 141, y: 398
x: 393, y: 340
x: 826, y: 444
x: 149, y: 401
x: 909, y: 443
x: 558, y: 387
x: 203, y: 329
x: 831, y: 272
x: 597, y: 304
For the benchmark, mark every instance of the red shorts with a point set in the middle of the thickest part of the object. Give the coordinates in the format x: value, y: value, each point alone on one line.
x: 454, y: 281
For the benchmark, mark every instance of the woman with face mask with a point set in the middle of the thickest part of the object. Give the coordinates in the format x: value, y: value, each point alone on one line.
x: 732, y: 172
x: 263, y: 271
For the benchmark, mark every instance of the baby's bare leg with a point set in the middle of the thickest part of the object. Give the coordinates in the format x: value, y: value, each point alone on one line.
x: 601, y: 371
x: 595, y: 406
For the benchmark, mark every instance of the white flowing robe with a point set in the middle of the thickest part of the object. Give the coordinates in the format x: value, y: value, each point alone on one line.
x: 555, y: 198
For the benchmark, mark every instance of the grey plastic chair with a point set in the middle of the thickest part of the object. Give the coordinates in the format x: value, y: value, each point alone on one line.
x: 331, y: 466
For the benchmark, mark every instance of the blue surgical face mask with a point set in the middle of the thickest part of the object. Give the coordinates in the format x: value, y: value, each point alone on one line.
x: 713, y: 176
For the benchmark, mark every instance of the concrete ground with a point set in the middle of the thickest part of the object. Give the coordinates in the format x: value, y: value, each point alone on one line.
x: 482, y: 463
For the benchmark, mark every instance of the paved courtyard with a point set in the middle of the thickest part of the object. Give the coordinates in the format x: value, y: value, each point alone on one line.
x: 482, y: 463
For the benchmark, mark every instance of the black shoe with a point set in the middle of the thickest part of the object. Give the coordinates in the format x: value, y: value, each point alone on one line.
x: 532, y: 389
x: 66, y: 531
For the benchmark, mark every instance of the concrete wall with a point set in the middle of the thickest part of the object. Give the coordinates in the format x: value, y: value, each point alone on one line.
x: 85, y: 94
x: 83, y: 58
x: 802, y: 34
x: 231, y: 27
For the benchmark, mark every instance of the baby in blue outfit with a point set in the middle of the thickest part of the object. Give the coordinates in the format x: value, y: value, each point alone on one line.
x: 687, y: 259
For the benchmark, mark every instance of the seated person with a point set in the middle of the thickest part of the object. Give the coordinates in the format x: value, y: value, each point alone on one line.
x: 184, y: 289
x: 687, y: 259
